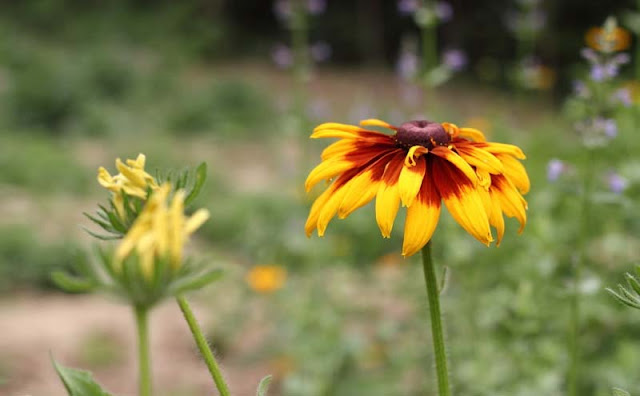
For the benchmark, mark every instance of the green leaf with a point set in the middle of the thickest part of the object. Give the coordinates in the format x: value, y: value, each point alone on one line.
x: 263, y: 387
x: 620, y: 392
x: 633, y: 282
x: 78, y: 382
x: 70, y: 283
x: 196, y: 282
x: 201, y: 176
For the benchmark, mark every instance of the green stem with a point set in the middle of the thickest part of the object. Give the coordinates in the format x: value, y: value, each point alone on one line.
x: 574, y: 304
x: 142, y: 324
x: 301, y: 64
x: 203, y: 346
x: 429, y: 35
x: 433, y: 292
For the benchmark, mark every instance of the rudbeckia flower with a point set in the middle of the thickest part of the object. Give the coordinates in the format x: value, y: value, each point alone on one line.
x: 608, y: 40
x: 132, y: 180
x: 266, y: 278
x: 420, y: 165
x: 160, y: 231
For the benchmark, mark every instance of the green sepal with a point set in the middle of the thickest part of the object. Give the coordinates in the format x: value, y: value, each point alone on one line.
x: 71, y: 283
x: 263, y: 386
x: 622, y: 297
x: 633, y: 282
x: 620, y: 392
x: 201, y: 177
x: 78, y: 382
x: 195, y: 282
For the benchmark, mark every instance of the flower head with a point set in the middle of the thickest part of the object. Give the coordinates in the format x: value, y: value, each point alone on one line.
x: 421, y: 165
x: 160, y: 231
x: 133, y: 180
x: 605, y: 39
x: 617, y: 183
x: 266, y: 278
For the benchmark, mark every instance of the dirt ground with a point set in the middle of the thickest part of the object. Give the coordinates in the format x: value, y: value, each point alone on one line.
x: 35, y: 327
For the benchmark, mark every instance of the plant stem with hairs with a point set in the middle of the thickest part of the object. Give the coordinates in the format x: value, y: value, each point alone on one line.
x: 437, y: 333
x: 144, y: 362
x: 203, y: 347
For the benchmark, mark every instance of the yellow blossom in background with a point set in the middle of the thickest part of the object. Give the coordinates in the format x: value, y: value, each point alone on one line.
x: 479, y: 123
x: 608, y: 40
x: 420, y: 166
x: 266, y: 278
x: 132, y: 179
x: 160, y: 231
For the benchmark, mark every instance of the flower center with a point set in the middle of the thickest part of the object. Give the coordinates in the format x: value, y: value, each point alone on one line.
x: 422, y: 133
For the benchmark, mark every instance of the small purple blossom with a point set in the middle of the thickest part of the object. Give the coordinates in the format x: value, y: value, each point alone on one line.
x: 598, y: 73
x: 555, y: 168
x: 316, y: 7
x: 455, y: 59
x: 321, y: 51
x: 610, y: 127
x: 590, y: 55
x: 617, y: 184
x: 444, y: 11
x: 282, y: 9
x: 407, y: 65
x: 623, y: 95
x: 621, y: 59
x: 282, y: 56
x: 580, y: 89
x: 408, y: 7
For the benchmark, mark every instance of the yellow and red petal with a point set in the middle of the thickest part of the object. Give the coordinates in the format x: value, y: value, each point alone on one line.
x: 363, y: 187
x: 502, y: 148
x: 472, y: 134
x: 511, y: 202
x: 378, y: 123
x: 388, y: 196
x: 326, y: 170
x: 480, y: 158
x: 461, y: 198
x: 422, y: 218
x: 495, y: 217
x: 515, y: 172
x: 449, y: 155
x: 410, y: 181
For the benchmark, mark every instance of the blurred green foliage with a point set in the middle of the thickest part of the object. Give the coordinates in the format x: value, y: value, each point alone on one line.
x: 26, y: 261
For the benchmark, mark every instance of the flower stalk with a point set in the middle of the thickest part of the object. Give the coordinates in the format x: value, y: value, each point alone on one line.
x: 437, y: 334
x: 144, y: 361
x: 300, y: 43
x: 203, y: 346
x: 580, y: 262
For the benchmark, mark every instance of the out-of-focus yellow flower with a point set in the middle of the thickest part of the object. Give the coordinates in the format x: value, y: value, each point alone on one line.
x: 132, y: 179
x: 160, y: 231
x: 608, y: 40
x: 479, y: 123
x: 266, y: 278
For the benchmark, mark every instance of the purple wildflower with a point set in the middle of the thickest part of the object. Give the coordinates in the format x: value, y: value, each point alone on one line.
x: 589, y: 54
x: 623, y: 95
x: 580, y: 89
x: 316, y: 7
x: 321, y: 51
x: 598, y: 73
x: 282, y: 9
x: 408, y: 7
x: 455, y: 59
x: 555, y: 168
x: 617, y: 184
x: 444, y: 11
x: 610, y: 127
x: 407, y: 65
x: 282, y: 56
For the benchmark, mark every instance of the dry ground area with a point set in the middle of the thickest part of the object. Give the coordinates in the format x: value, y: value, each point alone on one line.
x: 35, y: 326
